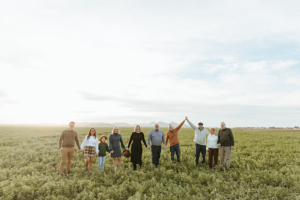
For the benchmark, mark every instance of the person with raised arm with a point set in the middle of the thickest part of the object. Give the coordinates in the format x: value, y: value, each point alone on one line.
x: 155, y: 138
x: 66, y: 146
x: 136, y: 139
x: 115, y: 139
x: 172, y: 136
x: 226, y: 144
x: 200, y: 140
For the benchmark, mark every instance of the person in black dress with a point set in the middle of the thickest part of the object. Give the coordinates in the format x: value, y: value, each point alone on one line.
x: 136, y: 149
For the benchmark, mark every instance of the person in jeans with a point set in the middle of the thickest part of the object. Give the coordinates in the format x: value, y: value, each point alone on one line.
x: 212, y: 148
x: 172, y: 135
x: 226, y: 144
x: 156, y: 137
x: 66, y: 147
x: 103, y: 148
x: 200, y: 140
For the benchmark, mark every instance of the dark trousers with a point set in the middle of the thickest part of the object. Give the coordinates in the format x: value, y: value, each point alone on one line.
x: 175, y: 149
x: 134, y: 166
x: 200, y: 149
x: 212, y: 153
x: 155, y: 154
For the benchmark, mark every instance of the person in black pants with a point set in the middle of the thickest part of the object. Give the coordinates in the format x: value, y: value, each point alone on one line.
x: 136, y: 149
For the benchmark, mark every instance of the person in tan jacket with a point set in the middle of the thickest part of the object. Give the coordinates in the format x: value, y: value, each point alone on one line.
x: 172, y: 136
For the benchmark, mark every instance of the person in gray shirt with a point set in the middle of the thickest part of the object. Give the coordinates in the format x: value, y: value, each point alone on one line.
x: 156, y: 137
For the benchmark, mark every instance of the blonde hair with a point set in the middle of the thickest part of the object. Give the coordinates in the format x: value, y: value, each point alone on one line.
x: 213, y: 129
x: 112, y: 132
x: 136, y: 127
x: 72, y: 122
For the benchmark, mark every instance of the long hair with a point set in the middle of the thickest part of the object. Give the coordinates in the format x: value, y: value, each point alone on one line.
x: 89, y: 134
x: 100, y: 140
x: 136, y: 128
x: 112, y: 132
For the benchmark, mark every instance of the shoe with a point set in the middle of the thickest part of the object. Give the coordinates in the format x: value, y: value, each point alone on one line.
x: 86, y: 170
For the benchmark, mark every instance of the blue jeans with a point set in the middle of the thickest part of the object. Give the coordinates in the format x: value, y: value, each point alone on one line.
x: 175, y: 149
x: 155, y: 154
x: 101, y: 161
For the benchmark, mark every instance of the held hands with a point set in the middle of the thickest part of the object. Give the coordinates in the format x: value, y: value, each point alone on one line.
x: 186, y: 118
x: 165, y: 147
x: 79, y: 150
x: 218, y: 145
x: 148, y: 147
x: 111, y: 151
x: 231, y: 147
x: 61, y: 149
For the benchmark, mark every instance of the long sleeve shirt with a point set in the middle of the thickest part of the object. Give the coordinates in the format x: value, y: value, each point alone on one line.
x: 173, y: 135
x: 212, y: 141
x: 67, y: 138
x: 200, y: 135
x: 225, y: 137
x: 92, y: 141
x: 156, y: 138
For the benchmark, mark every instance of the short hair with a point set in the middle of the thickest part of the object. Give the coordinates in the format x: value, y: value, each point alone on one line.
x: 223, y: 123
x: 212, y: 129
x: 136, y: 127
x: 72, y: 122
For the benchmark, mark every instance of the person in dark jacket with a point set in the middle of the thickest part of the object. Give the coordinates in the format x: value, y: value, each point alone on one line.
x: 103, y: 148
x: 115, y: 139
x: 136, y: 149
x: 226, y: 144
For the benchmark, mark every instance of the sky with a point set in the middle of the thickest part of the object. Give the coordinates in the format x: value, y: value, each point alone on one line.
x: 144, y: 61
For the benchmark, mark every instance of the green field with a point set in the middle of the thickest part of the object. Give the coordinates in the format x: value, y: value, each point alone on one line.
x: 264, y: 165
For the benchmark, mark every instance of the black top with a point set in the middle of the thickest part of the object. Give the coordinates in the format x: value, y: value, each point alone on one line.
x: 136, y: 148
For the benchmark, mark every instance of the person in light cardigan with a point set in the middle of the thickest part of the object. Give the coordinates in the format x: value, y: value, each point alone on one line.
x: 212, y: 148
x: 90, y: 145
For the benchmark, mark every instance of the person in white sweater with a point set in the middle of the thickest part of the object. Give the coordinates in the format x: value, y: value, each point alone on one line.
x: 90, y: 145
x: 200, y: 140
x: 212, y: 148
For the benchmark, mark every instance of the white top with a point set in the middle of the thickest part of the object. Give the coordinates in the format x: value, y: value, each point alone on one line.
x: 200, y: 135
x: 212, y: 141
x: 92, y: 141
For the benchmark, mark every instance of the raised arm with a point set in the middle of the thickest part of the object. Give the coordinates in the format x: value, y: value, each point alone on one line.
x: 122, y: 143
x: 130, y: 140
x: 179, y: 126
x: 191, y: 124
x: 83, y: 143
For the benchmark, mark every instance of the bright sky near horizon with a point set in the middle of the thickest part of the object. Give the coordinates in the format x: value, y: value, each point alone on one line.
x: 143, y: 61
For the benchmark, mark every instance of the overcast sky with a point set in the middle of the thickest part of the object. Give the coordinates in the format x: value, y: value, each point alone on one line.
x: 143, y: 61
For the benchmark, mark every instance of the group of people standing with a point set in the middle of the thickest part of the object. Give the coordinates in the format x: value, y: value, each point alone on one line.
x: 205, y: 141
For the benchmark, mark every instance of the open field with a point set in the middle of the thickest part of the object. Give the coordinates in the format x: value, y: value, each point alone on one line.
x: 264, y: 165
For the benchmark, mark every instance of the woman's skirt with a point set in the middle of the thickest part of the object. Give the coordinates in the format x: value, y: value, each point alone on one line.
x: 89, y: 151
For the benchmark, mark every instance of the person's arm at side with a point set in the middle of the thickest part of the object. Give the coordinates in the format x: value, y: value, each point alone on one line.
x: 97, y: 149
x: 144, y: 141
x: 83, y: 143
x: 218, y: 143
x: 130, y: 140
x: 167, y: 138
x: 107, y: 149
x: 231, y: 139
x: 122, y: 143
x: 164, y: 141
x: 179, y: 126
x: 191, y: 124
x: 77, y: 142
x: 110, y: 144
x: 60, y: 140
x: 148, y: 140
